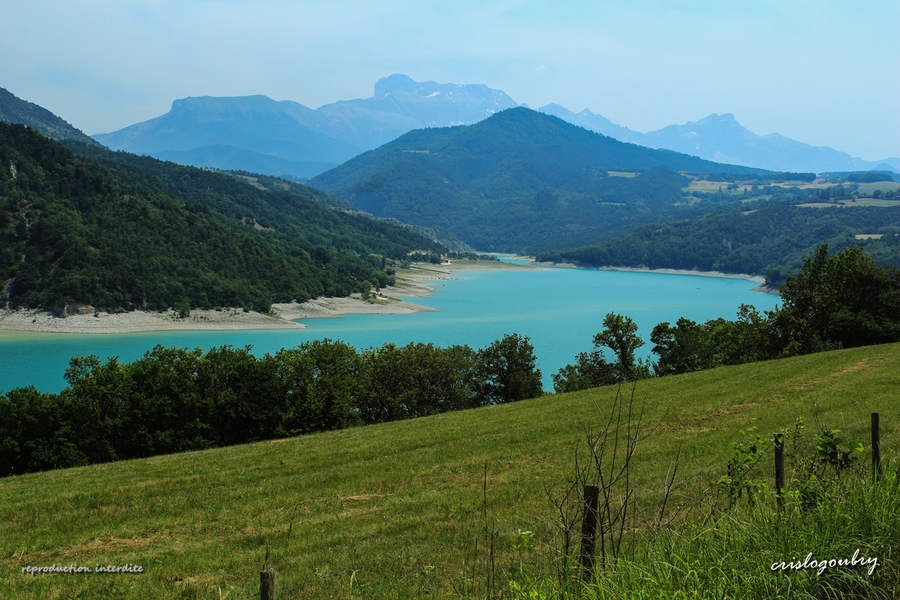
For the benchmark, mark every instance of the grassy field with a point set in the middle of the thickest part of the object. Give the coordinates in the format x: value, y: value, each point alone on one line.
x: 860, y: 202
x: 884, y: 186
x: 703, y: 185
x: 401, y: 510
x: 865, y: 189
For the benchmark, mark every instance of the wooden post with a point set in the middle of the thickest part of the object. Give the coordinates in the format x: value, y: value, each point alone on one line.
x: 876, y: 447
x: 779, y: 469
x: 589, y: 532
x: 267, y: 584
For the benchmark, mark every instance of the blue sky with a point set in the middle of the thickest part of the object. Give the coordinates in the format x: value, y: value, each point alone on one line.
x: 822, y: 72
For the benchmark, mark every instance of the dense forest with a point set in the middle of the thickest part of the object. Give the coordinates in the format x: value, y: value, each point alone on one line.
x: 768, y: 238
x: 124, y: 232
x: 519, y: 181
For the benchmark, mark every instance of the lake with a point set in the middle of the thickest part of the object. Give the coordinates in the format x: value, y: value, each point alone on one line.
x: 560, y: 309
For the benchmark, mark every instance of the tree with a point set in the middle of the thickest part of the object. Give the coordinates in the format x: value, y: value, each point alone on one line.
x: 507, y: 370
x: 417, y: 380
x: 322, y: 381
x: 681, y: 349
x: 620, y: 335
x: 589, y: 371
x: 839, y: 301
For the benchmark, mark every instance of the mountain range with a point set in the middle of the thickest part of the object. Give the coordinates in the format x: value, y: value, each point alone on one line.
x: 258, y: 134
x: 721, y: 138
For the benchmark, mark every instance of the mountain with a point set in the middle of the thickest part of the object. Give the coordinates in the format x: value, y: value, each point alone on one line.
x: 518, y: 181
x: 121, y: 231
x: 400, y: 104
x: 258, y: 134
x: 722, y: 139
x: 16, y: 110
x: 594, y: 122
x: 252, y: 133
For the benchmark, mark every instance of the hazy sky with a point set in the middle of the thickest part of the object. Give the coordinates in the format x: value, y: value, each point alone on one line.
x: 819, y: 71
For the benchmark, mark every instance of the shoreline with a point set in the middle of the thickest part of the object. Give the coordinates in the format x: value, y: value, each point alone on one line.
x: 762, y: 287
x: 412, y: 283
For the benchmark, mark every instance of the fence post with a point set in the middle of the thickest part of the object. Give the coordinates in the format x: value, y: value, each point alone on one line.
x: 267, y: 584
x: 876, y: 446
x: 779, y: 469
x: 589, y: 532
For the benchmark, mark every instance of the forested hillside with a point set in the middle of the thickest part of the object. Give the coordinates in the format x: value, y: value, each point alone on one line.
x: 771, y: 238
x: 519, y: 181
x: 15, y: 110
x: 123, y: 232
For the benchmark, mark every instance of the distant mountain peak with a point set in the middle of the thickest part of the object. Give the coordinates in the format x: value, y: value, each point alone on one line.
x: 714, y: 119
x: 402, y: 85
x: 225, y: 104
x: 386, y: 85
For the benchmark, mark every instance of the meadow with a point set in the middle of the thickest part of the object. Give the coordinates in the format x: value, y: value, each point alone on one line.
x: 455, y: 505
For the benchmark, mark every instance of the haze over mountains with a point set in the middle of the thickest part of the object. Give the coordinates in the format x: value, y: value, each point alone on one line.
x: 721, y: 138
x: 258, y: 134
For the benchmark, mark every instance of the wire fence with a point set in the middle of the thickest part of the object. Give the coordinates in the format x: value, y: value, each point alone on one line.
x: 466, y: 579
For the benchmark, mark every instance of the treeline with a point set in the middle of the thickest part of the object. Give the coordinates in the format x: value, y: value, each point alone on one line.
x: 835, y: 301
x: 771, y: 239
x: 762, y: 177
x: 125, y: 232
x: 174, y: 400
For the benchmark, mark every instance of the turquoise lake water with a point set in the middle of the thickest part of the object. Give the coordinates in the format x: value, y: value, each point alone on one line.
x: 559, y: 309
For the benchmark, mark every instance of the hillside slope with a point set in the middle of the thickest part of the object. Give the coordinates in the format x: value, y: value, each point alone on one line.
x: 771, y: 239
x: 124, y: 232
x: 519, y: 181
x: 396, y: 508
x: 15, y: 110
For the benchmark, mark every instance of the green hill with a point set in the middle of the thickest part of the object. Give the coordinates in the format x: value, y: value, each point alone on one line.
x: 519, y: 181
x: 407, y: 509
x: 119, y: 231
x: 771, y: 239
x: 18, y: 111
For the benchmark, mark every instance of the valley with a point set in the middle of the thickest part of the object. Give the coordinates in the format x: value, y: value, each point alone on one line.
x: 449, y: 301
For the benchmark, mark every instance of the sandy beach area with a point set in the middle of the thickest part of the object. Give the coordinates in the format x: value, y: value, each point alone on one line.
x: 416, y: 282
